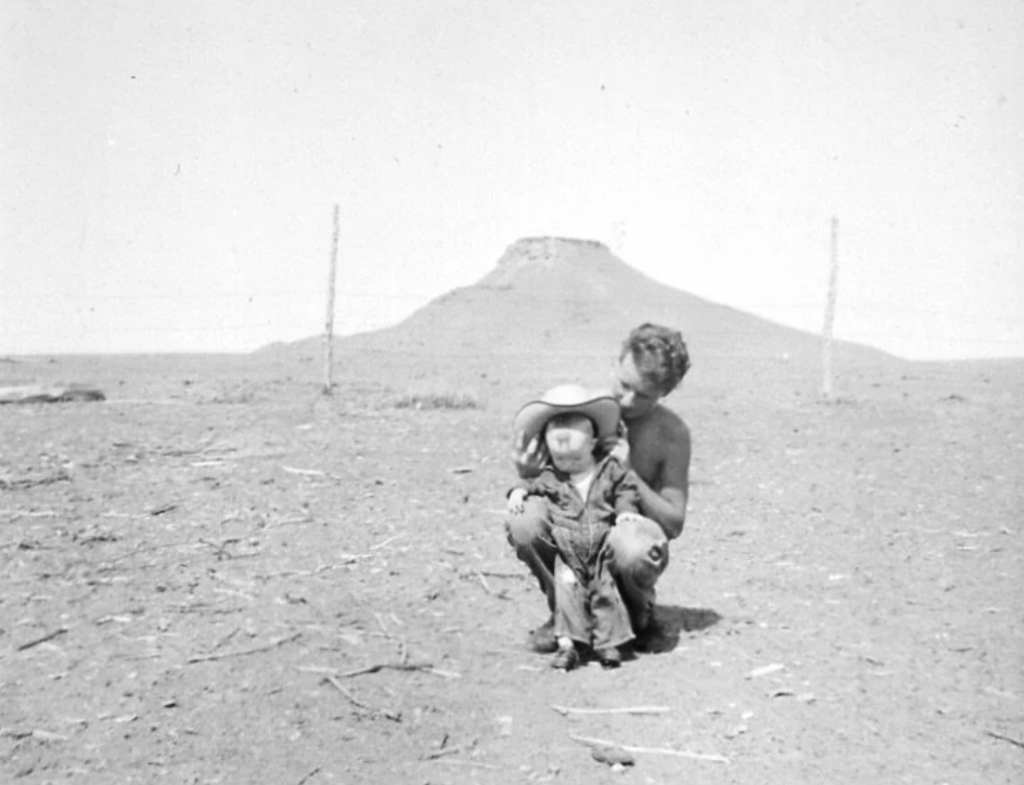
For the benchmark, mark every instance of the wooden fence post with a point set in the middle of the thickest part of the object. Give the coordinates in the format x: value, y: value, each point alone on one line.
x: 329, y: 321
x: 830, y: 314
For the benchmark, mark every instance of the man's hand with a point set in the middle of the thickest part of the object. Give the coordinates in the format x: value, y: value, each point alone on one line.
x: 516, y: 501
x: 529, y: 455
x: 629, y: 517
x: 621, y: 452
x: 635, y: 518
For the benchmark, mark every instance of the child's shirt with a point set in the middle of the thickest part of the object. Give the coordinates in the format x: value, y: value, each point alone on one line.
x: 583, y: 480
x: 613, y: 490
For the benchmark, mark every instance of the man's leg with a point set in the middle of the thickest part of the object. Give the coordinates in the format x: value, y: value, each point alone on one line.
x: 639, y: 557
x: 530, y: 534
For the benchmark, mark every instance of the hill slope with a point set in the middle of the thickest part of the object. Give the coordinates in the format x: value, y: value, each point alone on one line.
x: 563, y: 306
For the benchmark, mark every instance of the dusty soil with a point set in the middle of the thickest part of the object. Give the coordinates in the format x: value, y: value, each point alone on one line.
x: 220, y: 576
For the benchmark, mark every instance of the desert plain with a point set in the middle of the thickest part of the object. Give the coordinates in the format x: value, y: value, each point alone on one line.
x: 220, y: 574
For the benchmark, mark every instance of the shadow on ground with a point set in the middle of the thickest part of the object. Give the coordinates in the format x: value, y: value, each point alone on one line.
x: 676, y: 620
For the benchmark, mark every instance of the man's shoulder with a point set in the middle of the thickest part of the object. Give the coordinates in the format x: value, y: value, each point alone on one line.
x: 666, y: 423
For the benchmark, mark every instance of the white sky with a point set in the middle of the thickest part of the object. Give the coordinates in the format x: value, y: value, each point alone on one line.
x: 167, y: 170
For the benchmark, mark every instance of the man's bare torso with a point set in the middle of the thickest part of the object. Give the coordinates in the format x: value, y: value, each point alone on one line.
x: 651, y: 440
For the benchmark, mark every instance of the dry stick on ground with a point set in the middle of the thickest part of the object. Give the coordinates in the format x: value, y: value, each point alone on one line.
x: 304, y: 472
x: 590, y: 742
x: 309, y: 776
x: 497, y: 574
x: 30, y: 513
x: 225, y: 638
x: 388, y: 541
x: 292, y: 522
x: 1001, y: 737
x: 148, y: 402
x: 446, y: 751
x: 474, y: 763
x: 245, y: 652
x: 222, y: 548
x: 399, y: 666
x: 48, y: 637
x: 348, y: 558
x: 501, y: 595
x: 22, y: 484
x: 483, y: 582
x: 113, y: 514
x: 26, y: 544
x: 148, y: 548
x: 383, y: 712
x: 312, y: 473
x: 567, y: 710
x: 395, y: 666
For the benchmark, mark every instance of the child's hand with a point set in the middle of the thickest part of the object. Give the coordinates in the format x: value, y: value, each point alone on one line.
x: 515, y: 501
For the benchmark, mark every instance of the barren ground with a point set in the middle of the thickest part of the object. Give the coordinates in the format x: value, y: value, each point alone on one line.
x: 193, y: 573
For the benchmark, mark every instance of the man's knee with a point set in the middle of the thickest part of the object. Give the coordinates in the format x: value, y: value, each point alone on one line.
x: 530, y: 527
x: 639, y: 550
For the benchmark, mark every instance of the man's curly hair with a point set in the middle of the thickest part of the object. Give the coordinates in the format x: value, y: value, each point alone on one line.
x: 660, y: 355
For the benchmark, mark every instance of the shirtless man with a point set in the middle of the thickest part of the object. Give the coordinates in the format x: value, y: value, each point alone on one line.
x: 652, y: 362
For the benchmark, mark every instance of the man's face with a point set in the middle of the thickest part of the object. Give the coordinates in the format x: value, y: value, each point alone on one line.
x: 570, y: 440
x: 637, y: 396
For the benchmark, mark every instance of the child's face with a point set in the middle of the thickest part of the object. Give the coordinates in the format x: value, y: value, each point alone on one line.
x: 570, y: 440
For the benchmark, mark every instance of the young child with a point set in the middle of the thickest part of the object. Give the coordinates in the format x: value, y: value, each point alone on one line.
x: 584, y: 490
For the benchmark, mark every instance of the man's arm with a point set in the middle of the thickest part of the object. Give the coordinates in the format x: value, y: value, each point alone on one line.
x: 627, y: 492
x: 667, y: 505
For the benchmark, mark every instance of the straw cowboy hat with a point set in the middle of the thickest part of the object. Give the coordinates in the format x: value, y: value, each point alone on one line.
x: 600, y: 407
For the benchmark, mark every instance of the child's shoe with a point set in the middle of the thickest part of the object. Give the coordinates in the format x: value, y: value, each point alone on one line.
x: 609, y: 657
x: 566, y: 659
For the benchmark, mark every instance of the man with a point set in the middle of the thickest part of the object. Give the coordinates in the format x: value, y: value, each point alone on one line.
x: 657, y: 446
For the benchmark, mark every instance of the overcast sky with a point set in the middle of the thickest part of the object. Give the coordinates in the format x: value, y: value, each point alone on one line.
x: 168, y: 170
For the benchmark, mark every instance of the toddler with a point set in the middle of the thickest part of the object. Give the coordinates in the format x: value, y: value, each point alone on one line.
x: 584, y: 490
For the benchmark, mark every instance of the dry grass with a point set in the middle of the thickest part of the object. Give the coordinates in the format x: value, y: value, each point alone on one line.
x: 446, y: 399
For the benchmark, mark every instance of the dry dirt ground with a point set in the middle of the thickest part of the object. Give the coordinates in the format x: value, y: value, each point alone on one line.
x: 220, y: 576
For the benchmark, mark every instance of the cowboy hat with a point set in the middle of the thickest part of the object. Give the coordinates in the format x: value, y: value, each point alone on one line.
x: 600, y: 407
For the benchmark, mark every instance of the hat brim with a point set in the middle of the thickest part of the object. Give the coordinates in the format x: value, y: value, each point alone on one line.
x: 603, y: 410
